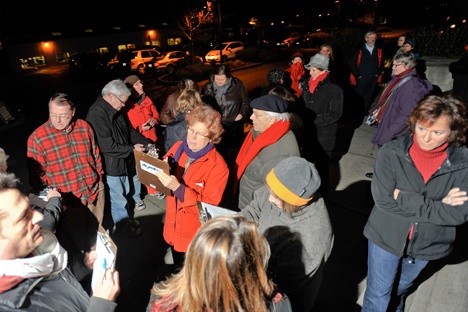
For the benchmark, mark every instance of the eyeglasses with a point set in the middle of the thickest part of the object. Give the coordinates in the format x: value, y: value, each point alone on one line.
x: 196, y: 133
x: 60, y: 116
x: 396, y: 65
x: 119, y: 99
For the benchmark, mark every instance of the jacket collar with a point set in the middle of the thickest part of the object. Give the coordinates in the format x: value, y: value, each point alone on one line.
x: 457, y: 156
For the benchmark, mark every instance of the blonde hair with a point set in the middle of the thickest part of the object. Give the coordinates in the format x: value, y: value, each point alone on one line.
x: 188, y: 100
x: 224, y: 270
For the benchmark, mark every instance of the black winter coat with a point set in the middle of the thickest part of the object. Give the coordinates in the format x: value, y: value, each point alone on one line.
x: 418, y: 203
x: 115, y: 138
x: 323, y: 109
x: 234, y: 101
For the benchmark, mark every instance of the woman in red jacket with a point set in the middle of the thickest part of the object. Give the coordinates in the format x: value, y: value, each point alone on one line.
x: 144, y: 117
x: 198, y: 173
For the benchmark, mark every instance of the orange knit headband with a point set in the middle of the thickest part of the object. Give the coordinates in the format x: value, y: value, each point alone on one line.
x: 283, y: 192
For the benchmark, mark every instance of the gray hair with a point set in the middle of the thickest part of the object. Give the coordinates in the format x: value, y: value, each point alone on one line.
x: 62, y: 99
x: 8, y: 181
x: 369, y: 33
x: 3, y: 161
x: 406, y: 58
x: 116, y: 87
x: 279, y: 116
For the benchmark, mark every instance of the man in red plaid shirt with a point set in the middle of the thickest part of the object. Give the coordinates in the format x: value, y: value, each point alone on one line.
x: 63, y: 153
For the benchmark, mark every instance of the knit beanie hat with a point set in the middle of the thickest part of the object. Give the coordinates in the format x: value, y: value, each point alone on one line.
x: 294, y: 180
x: 318, y: 60
x: 411, y: 42
x: 297, y: 54
x: 131, y: 80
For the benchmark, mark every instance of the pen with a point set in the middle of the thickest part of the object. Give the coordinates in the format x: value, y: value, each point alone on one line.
x: 105, y: 268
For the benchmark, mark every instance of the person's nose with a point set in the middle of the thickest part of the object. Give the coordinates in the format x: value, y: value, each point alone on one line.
x: 37, y: 217
x: 427, y: 137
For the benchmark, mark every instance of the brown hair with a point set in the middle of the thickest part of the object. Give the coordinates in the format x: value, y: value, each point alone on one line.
x: 430, y: 108
x: 210, y: 117
x: 224, y: 270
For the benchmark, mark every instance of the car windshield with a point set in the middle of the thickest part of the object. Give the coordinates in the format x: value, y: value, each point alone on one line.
x: 221, y: 46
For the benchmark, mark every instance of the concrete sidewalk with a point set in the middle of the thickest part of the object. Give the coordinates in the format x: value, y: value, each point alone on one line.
x: 442, y: 288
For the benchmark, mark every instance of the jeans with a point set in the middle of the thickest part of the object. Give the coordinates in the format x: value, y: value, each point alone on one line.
x: 382, y: 272
x: 118, y: 189
x: 136, y: 188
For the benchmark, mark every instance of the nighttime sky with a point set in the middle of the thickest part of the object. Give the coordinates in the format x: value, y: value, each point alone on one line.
x: 87, y: 13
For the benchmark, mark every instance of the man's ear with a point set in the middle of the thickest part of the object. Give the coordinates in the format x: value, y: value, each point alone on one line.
x: 272, y: 119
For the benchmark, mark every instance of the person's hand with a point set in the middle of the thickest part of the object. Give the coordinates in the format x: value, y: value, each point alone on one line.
x: 139, y: 147
x: 107, y: 285
x: 395, y: 193
x: 53, y: 193
x: 89, y: 258
x: 145, y: 127
x: 455, y: 197
x: 238, y: 117
x: 168, y: 181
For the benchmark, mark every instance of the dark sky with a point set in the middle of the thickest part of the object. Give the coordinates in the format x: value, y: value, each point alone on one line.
x: 89, y: 13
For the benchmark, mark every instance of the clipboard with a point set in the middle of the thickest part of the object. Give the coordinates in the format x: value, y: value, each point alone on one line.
x: 106, y: 251
x: 207, y: 211
x: 147, y: 166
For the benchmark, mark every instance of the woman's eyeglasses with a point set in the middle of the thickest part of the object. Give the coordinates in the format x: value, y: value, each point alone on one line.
x: 196, y: 133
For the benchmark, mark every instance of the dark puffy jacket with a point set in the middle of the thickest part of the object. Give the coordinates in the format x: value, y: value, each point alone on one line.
x: 235, y: 101
x: 418, y: 204
x: 115, y: 138
x: 175, y: 131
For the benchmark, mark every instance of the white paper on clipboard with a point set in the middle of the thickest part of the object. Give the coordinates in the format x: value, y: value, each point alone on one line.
x: 105, y: 249
x: 208, y: 211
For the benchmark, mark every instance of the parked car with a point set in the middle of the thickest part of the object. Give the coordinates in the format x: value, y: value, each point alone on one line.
x: 133, y: 60
x: 229, y: 50
x: 293, y: 39
x: 84, y: 61
x: 120, y: 63
x: 170, y: 61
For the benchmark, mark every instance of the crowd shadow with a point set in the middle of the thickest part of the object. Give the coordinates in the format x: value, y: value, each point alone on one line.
x: 347, y: 266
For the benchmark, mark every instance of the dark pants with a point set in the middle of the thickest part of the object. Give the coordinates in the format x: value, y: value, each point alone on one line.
x: 365, y: 88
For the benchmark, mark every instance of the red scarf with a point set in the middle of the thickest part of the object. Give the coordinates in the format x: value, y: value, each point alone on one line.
x: 296, y: 72
x: 313, y: 83
x: 387, y: 92
x: 250, y: 148
x: 8, y: 282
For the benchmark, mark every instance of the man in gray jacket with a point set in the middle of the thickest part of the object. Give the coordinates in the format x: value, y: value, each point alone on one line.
x: 268, y: 142
x: 33, y: 266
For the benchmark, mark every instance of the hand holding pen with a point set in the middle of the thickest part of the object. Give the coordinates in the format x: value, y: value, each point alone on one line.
x: 108, y: 284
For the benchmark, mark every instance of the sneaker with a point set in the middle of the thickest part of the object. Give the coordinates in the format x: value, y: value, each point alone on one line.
x: 140, y: 205
x: 158, y: 195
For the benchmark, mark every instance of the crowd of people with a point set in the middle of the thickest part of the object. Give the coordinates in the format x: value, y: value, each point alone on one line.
x: 271, y: 253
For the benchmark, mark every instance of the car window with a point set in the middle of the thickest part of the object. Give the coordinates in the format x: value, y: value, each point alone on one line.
x: 154, y: 53
x: 145, y: 54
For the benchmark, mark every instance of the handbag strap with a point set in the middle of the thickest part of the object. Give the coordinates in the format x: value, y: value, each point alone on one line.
x: 399, y: 84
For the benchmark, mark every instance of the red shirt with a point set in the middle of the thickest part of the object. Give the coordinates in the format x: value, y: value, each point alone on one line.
x: 67, y: 159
